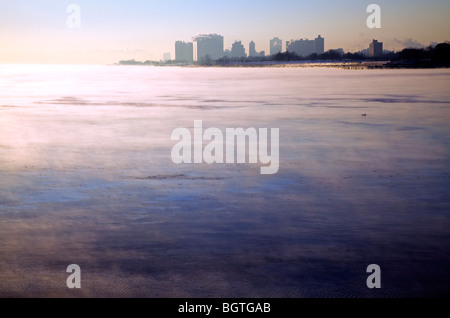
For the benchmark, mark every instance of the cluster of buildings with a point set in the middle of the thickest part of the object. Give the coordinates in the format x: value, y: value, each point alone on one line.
x: 305, y: 47
x: 211, y: 46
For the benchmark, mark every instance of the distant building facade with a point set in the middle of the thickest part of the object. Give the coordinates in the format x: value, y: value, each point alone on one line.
x: 375, y: 49
x: 320, y: 44
x: 184, y: 51
x: 252, y: 49
x: 166, y: 56
x: 276, y: 46
x: 238, y: 50
x: 305, y: 47
x: 302, y: 47
x: 209, y: 45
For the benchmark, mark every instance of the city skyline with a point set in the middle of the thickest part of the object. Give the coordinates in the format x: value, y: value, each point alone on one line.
x: 211, y: 46
x: 37, y: 31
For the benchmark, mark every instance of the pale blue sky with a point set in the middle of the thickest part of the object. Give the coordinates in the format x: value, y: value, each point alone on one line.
x: 36, y: 30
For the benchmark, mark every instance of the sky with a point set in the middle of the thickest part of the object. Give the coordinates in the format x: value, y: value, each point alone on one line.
x: 36, y: 31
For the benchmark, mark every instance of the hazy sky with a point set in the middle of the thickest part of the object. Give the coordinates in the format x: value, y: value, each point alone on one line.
x: 35, y: 31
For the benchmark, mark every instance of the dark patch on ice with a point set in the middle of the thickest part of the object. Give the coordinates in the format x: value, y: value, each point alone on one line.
x: 232, y: 101
x: 213, y: 101
x: 387, y: 99
x: 179, y: 177
x: 70, y: 100
x: 79, y: 102
x: 55, y: 196
x: 178, y: 98
x: 324, y: 105
x: 363, y: 124
x: 409, y: 128
x: 404, y: 100
x: 210, y: 100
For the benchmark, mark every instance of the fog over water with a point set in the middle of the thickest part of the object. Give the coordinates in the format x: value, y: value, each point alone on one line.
x: 87, y: 178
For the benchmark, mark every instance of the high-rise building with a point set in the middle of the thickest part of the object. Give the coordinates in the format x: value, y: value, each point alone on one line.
x: 376, y: 49
x: 209, y: 45
x: 184, y: 51
x: 238, y: 50
x: 166, y: 56
x: 305, y: 47
x: 320, y: 45
x: 276, y: 46
x: 252, y: 49
x: 302, y: 47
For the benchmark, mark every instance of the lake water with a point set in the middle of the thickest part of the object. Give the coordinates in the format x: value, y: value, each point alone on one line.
x: 87, y: 178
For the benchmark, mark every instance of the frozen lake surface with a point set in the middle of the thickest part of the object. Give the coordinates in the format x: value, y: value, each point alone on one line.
x: 86, y: 177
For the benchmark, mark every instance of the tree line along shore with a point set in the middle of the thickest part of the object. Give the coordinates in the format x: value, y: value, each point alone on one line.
x: 430, y: 57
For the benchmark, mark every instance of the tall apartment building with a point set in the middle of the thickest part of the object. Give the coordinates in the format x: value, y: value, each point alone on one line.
x: 276, y: 46
x: 238, y: 50
x: 305, y: 47
x: 209, y: 45
x: 376, y: 49
x: 320, y: 45
x: 184, y: 51
x: 252, y: 49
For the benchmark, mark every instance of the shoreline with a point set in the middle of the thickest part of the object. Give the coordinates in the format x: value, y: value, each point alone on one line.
x: 348, y: 65
x: 300, y: 64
